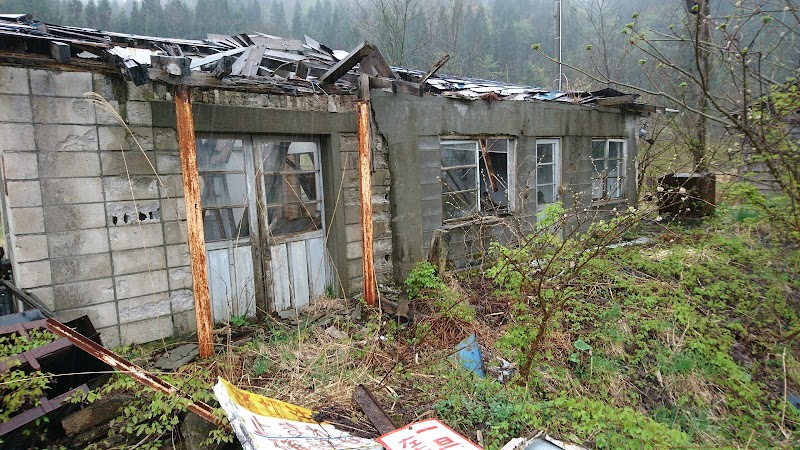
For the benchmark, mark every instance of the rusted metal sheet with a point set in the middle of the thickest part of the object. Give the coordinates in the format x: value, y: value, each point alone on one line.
x: 194, y: 219
x: 365, y: 177
x: 122, y: 365
x: 366, y: 401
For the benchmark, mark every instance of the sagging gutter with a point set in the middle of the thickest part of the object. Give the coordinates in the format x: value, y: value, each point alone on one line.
x: 194, y: 219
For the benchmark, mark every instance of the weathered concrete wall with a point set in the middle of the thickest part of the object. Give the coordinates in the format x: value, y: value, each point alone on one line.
x: 413, y: 128
x: 75, y: 179
x: 75, y: 240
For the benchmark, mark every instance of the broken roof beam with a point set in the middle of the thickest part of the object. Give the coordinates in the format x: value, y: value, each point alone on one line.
x: 617, y: 100
x: 435, y: 68
x: 173, y: 65
x: 365, y: 53
x: 60, y: 51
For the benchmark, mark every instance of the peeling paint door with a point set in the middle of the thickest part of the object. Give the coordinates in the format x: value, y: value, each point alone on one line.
x: 298, y: 265
x: 226, y: 184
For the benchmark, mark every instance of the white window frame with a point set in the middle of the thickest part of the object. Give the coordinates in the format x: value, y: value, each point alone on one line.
x: 510, y: 176
x: 556, y: 165
x: 622, y: 176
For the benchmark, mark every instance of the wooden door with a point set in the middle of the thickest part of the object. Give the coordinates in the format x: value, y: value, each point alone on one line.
x: 295, y: 226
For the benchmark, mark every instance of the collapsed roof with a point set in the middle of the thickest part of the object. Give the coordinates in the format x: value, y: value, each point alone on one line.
x: 258, y: 62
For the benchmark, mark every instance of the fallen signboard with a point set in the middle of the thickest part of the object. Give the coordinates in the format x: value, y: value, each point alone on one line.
x: 263, y: 423
x: 426, y: 435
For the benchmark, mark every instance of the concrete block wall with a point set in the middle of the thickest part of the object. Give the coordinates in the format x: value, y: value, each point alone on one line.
x: 92, y: 218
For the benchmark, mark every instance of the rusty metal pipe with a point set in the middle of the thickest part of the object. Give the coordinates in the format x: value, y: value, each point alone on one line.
x: 122, y: 365
x: 365, y: 178
x: 194, y: 219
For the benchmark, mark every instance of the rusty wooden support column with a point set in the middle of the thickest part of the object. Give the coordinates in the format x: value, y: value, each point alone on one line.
x: 365, y: 178
x: 194, y: 220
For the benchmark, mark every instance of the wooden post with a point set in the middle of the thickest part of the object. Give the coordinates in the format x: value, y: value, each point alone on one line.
x: 194, y: 219
x: 365, y: 177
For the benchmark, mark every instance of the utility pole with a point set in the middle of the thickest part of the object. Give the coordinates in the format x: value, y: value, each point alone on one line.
x: 557, y: 39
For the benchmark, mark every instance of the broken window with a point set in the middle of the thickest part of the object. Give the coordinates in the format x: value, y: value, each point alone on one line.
x: 223, y: 189
x: 292, y: 186
x: 608, y: 161
x: 476, y: 177
x: 547, y: 171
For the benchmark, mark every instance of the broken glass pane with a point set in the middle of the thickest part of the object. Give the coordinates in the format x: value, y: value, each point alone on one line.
x: 458, y: 154
x: 295, y: 218
x: 285, y: 188
x: 454, y: 180
x: 459, y: 204
x: 223, y: 189
x: 225, y: 223
x: 220, y: 154
x: 497, y: 145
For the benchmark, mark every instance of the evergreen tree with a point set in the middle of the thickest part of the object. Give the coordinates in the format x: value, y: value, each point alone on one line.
x: 136, y: 23
x: 298, y: 23
x: 74, y: 16
x: 277, y: 19
x: 152, y: 18
x: 181, y: 19
x: 104, y: 14
x: 90, y: 13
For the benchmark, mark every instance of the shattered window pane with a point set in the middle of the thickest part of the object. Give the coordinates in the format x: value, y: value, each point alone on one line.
x: 223, y: 189
x: 475, y: 177
x: 292, y: 185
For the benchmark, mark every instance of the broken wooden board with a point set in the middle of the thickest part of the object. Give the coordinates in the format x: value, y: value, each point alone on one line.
x: 173, y: 65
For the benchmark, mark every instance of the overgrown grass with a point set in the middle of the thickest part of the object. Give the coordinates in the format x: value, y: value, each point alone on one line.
x: 685, y: 342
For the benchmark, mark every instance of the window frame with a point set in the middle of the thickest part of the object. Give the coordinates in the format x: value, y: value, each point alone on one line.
x: 622, y: 176
x: 480, y: 211
x: 556, y: 164
x: 248, y: 205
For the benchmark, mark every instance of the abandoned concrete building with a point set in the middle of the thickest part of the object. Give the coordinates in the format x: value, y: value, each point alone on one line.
x: 95, y: 203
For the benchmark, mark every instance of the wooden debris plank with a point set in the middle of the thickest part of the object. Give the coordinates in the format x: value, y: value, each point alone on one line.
x: 435, y: 68
x: 619, y: 100
x: 344, y: 66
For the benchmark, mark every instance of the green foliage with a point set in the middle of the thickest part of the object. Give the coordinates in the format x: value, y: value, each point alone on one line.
x: 423, y: 284
x: 19, y: 389
x: 422, y: 277
x: 607, y: 426
x: 151, y: 415
x: 239, y: 321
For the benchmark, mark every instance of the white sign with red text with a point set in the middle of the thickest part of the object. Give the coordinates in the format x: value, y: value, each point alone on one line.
x: 426, y: 435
